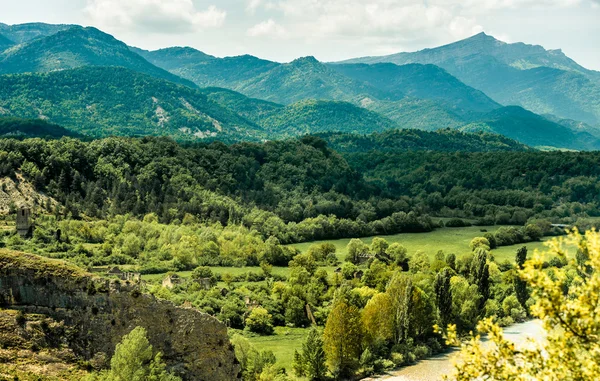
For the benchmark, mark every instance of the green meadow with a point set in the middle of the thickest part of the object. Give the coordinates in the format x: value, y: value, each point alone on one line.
x: 449, y: 240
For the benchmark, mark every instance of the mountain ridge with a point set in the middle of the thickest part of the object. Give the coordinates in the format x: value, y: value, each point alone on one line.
x: 543, y: 81
x: 75, y: 47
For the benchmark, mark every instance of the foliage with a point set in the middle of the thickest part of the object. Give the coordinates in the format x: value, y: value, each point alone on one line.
x: 259, y: 321
x: 342, y: 338
x: 133, y: 361
x: 311, y: 362
x: 566, y: 301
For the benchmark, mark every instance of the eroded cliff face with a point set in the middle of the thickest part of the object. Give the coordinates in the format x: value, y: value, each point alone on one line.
x: 99, y: 312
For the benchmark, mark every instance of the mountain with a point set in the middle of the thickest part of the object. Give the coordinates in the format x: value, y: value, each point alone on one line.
x: 412, y: 113
x: 445, y: 140
x: 5, y: 43
x: 415, y: 96
x: 543, y: 81
x: 313, y: 116
x: 420, y: 81
x: 32, y: 128
x: 305, y: 78
x: 303, y: 117
x: 255, y: 110
x: 102, y: 101
x: 76, y: 47
x: 532, y: 129
x: 206, y: 70
x: 21, y: 33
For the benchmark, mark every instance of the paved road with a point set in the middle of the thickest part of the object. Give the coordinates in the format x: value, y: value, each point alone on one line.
x: 434, y: 368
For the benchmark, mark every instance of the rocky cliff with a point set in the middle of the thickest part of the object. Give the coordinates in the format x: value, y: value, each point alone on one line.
x: 99, y: 312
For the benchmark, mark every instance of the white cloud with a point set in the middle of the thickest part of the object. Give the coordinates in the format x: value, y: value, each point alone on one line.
x: 267, y: 28
x: 388, y: 23
x: 253, y: 5
x: 153, y: 16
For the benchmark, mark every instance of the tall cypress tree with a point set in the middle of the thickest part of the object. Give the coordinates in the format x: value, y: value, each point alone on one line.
x: 443, y: 296
x: 480, y: 274
x: 519, y: 284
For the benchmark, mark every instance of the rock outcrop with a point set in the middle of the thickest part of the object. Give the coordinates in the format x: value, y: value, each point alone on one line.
x: 99, y: 312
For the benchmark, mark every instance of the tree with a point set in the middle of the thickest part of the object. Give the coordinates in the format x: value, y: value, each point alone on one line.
x: 400, y: 290
x: 378, y: 249
x: 443, y: 296
x: 398, y: 254
x: 480, y: 273
x: 204, y: 272
x: 567, y: 303
x: 259, y: 321
x: 355, y: 249
x: 252, y: 362
x: 519, y: 284
x: 311, y: 362
x: 479, y: 243
x: 295, y: 311
x: 342, y: 338
x: 378, y: 319
x: 133, y: 361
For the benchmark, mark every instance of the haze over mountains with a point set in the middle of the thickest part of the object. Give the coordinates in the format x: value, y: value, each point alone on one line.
x: 91, y: 83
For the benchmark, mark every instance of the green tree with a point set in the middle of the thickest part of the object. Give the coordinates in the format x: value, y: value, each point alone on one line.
x: 519, y: 284
x: 355, y: 249
x: 398, y: 254
x: 342, y: 338
x: 480, y: 273
x: 259, y: 321
x: 400, y: 289
x: 378, y: 248
x: 378, y: 319
x: 312, y: 359
x: 443, y: 296
x: 133, y: 361
x: 568, y: 309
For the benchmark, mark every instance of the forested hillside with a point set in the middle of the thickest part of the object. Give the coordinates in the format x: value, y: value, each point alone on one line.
x: 20, y: 33
x: 542, y: 81
x: 206, y: 70
x: 103, y: 101
x: 423, y: 82
x: 301, y: 189
x: 446, y: 140
x: 32, y: 128
x: 76, y: 47
x: 5, y: 43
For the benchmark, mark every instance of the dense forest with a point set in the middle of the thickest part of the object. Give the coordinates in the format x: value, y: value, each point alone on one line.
x: 300, y: 189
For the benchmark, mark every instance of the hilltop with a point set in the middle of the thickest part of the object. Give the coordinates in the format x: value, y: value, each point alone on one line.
x: 543, y: 81
x: 77, y: 47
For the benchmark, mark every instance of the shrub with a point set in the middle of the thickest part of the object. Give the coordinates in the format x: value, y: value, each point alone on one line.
x: 259, y: 321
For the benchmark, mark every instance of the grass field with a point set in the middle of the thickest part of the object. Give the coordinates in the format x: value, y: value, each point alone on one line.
x: 282, y: 343
x: 450, y: 240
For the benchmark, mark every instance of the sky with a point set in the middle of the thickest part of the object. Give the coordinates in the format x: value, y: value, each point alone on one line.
x: 330, y: 30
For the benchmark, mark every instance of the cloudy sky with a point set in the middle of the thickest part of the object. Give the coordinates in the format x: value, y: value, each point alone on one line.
x: 282, y: 30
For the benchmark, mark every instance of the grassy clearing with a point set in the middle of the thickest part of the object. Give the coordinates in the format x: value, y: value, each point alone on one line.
x: 282, y: 343
x: 450, y: 240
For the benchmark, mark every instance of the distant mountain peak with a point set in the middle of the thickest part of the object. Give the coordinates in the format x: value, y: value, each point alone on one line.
x: 306, y: 60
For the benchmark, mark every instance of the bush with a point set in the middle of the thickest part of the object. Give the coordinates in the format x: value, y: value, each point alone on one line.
x: 259, y: 321
x: 398, y: 358
x: 421, y: 351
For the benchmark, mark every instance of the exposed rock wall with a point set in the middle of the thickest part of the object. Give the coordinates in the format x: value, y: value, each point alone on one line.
x: 98, y: 314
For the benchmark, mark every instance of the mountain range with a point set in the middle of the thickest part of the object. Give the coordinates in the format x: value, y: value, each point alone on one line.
x: 92, y: 83
x: 542, y: 81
